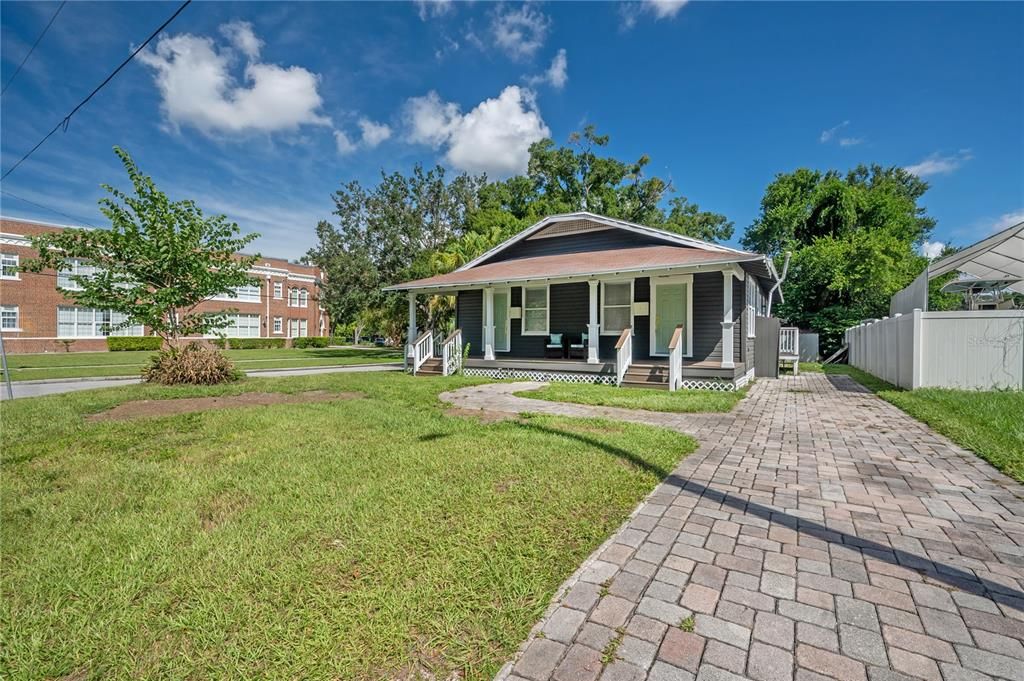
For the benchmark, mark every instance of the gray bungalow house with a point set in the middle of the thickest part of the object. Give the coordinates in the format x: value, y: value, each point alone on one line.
x: 585, y: 298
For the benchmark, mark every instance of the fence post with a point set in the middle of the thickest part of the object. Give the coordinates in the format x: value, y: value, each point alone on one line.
x: 917, y: 344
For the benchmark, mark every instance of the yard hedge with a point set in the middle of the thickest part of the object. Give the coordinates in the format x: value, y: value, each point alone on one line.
x: 311, y: 342
x: 134, y: 343
x: 251, y: 343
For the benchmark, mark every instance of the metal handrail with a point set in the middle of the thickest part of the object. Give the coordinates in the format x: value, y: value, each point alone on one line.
x: 623, y: 354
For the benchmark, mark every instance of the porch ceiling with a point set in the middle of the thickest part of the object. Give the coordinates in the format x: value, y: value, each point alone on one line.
x: 613, y: 261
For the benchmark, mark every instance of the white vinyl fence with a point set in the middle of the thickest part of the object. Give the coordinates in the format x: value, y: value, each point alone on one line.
x: 977, y: 350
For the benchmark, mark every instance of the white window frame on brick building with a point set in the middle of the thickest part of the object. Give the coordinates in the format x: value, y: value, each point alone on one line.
x: 241, y: 325
x: 74, y: 267
x: 87, y: 322
x: 278, y: 290
x: 249, y: 293
x: 10, y: 319
x: 9, y: 264
x: 278, y: 324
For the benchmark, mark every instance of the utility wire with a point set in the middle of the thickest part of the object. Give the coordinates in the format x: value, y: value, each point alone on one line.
x: 52, y: 210
x: 32, y: 49
x: 67, y: 119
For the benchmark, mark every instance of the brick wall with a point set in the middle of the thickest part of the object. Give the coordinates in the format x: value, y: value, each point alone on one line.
x: 37, y: 298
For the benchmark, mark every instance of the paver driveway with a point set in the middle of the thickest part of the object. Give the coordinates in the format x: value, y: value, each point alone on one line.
x: 818, y: 533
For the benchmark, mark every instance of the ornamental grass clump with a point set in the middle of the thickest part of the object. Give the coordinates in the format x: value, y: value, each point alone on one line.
x: 194, y: 364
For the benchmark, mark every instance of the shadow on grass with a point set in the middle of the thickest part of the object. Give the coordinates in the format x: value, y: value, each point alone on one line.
x: 433, y: 437
x: 951, y: 575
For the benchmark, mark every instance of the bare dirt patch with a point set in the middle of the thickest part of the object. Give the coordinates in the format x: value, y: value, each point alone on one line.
x: 187, y: 405
x: 482, y: 415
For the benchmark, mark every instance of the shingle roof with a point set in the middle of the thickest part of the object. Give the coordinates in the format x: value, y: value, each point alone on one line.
x: 579, y: 264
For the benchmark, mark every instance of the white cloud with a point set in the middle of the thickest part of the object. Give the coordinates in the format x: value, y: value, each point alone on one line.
x: 197, y: 87
x: 827, y: 135
x: 1008, y: 220
x: 493, y: 138
x: 520, y: 33
x: 932, y: 249
x: 433, y: 8
x: 557, y: 74
x: 373, y: 133
x: 937, y: 164
x: 241, y: 35
x: 659, y: 9
x: 851, y: 141
x: 344, y: 143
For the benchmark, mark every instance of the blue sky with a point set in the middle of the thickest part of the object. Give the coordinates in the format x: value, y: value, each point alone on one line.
x: 260, y: 110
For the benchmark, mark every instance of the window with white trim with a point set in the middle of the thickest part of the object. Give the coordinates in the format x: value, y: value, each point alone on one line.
x: 616, y: 307
x: 293, y: 297
x: 241, y: 325
x: 535, y: 310
x: 278, y: 325
x: 85, y: 322
x: 8, y: 266
x: 249, y: 293
x: 9, y: 318
x: 303, y: 298
x: 74, y: 267
x: 278, y: 290
x: 757, y: 304
x: 298, y: 328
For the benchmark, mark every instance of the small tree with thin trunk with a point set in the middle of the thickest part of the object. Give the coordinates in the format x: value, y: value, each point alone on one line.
x: 158, y: 261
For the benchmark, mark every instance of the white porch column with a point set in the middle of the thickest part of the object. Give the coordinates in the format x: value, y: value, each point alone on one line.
x: 593, y: 328
x: 488, y: 323
x: 727, y: 322
x: 410, y: 350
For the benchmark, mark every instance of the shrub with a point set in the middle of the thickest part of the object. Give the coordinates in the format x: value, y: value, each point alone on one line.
x: 311, y: 342
x: 134, y: 343
x: 250, y: 343
x: 195, y: 364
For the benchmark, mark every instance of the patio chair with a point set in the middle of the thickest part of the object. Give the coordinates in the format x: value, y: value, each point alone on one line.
x: 554, y: 347
x: 579, y: 350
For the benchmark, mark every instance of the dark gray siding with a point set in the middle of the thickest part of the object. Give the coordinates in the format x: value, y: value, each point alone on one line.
x: 604, y: 240
x: 568, y: 314
x: 469, y: 316
x: 707, y: 316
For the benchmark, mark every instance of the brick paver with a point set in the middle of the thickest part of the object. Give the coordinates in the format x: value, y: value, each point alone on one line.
x: 818, y: 532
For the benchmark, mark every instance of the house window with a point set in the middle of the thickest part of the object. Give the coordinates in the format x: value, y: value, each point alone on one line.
x: 8, y: 266
x: 278, y: 324
x: 242, y: 326
x: 9, y: 318
x: 293, y: 297
x: 303, y: 298
x: 535, y: 310
x: 298, y: 328
x: 278, y: 290
x: 73, y: 268
x: 250, y: 293
x: 616, y: 307
x: 85, y: 322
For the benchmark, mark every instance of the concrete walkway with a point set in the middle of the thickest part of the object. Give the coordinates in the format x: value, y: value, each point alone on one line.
x: 57, y: 386
x: 818, y: 533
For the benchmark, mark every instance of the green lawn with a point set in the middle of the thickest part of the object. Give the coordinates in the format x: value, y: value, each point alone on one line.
x: 638, y: 398
x: 368, y: 538
x: 80, y: 364
x: 991, y: 424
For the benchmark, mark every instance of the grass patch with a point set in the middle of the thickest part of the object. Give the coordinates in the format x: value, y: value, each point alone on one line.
x: 368, y: 538
x: 989, y: 423
x: 681, y: 401
x: 84, y: 364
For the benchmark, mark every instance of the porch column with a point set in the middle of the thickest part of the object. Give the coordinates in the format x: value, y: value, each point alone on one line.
x: 410, y: 350
x: 488, y: 323
x: 727, y: 322
x: 593, y: 328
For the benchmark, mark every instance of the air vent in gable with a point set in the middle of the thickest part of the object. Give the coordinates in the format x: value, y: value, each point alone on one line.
x: 568, y: 227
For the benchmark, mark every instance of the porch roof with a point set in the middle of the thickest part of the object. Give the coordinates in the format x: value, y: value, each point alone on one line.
x: 613, y: 261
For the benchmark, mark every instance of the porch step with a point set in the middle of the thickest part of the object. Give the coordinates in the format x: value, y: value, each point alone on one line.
x: 640, y: 375
x: 649, y: 385
x: 430, y: 367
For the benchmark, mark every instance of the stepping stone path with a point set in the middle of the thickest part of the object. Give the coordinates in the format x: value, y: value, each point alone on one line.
x: 817, y: 533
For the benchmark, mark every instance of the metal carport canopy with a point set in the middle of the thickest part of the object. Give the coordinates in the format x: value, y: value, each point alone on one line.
x: 1000, y: 256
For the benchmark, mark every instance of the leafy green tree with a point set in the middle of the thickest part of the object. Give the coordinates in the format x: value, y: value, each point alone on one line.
x: 156, y: 263
x: 688, y: 219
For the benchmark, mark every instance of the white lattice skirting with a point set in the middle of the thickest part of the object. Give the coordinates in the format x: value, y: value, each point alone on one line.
x: 500, y: 373
x: 547, y: 376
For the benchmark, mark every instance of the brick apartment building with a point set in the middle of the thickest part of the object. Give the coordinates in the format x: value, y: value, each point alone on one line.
x: 35, y: 316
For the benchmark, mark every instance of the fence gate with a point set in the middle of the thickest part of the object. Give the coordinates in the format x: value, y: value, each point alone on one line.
x: 766, y: 347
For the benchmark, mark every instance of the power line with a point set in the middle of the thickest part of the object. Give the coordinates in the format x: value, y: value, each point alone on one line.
x: 32, y: 49
x: 52, y: 210
x: 67, y: 119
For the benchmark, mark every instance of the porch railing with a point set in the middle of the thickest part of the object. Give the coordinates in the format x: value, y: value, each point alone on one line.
x: 675, y: 359
x: 423, y: 349
x: 789, y: 341
x: 623, y: 354
x: 451, y: 353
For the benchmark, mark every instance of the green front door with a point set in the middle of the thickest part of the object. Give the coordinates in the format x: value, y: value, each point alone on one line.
x: 501, y: 329
x: 669, y: 312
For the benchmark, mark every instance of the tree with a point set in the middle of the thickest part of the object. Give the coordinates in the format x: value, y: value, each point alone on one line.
x: 855, y: 241
x: 156, y: 263
x: 688, y: 219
